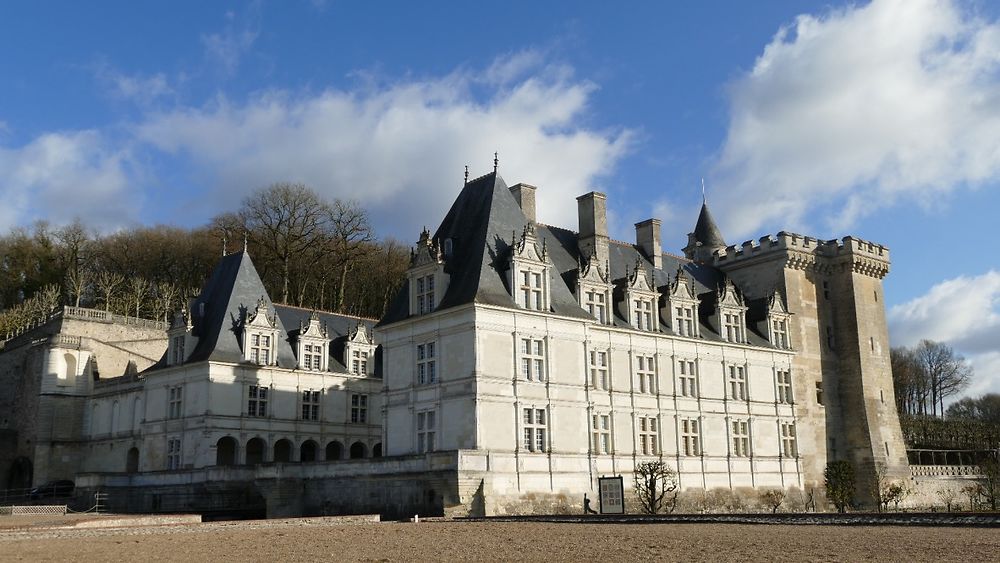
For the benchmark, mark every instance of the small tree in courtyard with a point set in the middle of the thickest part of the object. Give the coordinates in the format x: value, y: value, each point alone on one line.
x: 839, y: 484
x: 772, y: 498
x: 989, y: 483
x: 653, y: 480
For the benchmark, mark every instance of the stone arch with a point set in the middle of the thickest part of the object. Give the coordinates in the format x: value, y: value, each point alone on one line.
x: 377, y: 450
x: 334, y: 451
x: 69, y: 367
x: 358, y: 450
x: 132, y: 460
x: 283, y: 450
x: 226, y: 451
x: 307, y: 451
x: 21, y: 474
x: 256, y: 447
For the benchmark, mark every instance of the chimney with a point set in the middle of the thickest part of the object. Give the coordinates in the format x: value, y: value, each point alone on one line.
x: 593, y: 212
x: 525, y: 196
x: 647, y: 238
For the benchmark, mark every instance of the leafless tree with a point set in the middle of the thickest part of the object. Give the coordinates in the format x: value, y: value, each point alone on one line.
x: 350, y: 234
x: 652, y: 480
x: 108, y: 284
x: 772, y: 498
x: 947, y: 372
x: 136, y: 291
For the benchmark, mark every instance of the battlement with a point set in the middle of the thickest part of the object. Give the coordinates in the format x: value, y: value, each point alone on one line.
x: 805, y: 249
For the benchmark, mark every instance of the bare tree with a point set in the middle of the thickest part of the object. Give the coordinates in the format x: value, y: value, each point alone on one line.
x: 108, y: 284
x: 75, y: 253
x: 947, y: 372
x: 350, y: 234
x: 652, y: 481
x: 909, y: 381
x: 772, y: 498
x: 136, y: 290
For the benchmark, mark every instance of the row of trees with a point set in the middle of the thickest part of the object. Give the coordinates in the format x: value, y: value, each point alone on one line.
x: 927, y: 374
x: 310, y: 252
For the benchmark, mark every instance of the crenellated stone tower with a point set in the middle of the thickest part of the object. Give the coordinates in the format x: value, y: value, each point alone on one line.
x: 842, y: 380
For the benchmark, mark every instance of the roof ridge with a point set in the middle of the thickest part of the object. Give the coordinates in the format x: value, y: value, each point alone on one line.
x: 325, y: 311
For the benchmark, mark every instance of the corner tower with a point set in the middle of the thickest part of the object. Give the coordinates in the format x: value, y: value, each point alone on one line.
x: 706, y: 239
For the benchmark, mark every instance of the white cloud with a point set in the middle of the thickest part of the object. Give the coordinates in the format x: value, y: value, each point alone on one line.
x: 400, y: 148
x: 858, y: 108
x: 963, y: 312
x: 138, y: 88
x: 59, y: 176
x: 227, y: 47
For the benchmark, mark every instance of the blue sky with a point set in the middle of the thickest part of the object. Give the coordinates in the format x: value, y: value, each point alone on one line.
x: 879, y: 120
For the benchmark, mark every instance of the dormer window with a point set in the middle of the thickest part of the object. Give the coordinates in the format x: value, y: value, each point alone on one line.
x: 731, y: 314
x: 642, y: 300
x: 681, y: 306
x: 313, y: 341
x: 177, y: 345
x: 778, y: 319
x: 732, y: 327
x: 177, y: 339
x: 594, y: 290
x: 359, y: 362
x: 425, y: 294
x: 359, y: 350
x: 779, y: 333
x: 528, y: 274
x: 426, y: 275
x: 260, y: 335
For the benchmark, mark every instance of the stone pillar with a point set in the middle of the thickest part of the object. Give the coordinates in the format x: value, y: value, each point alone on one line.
x: 525, y: 196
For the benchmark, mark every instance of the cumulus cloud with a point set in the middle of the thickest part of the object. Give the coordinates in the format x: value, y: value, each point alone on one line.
x: 963, y: 312
x: 859, y: 108
x: 400, y: 148
x: 59, y: 176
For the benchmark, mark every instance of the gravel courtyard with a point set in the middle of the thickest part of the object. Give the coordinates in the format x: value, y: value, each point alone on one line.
x: 316, y: 539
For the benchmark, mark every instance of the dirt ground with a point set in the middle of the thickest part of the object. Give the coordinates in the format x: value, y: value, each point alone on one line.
x: 315, y: 539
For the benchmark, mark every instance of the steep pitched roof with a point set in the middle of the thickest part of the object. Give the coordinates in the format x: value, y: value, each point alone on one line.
x: 217, y: 315
x: 706, y: 231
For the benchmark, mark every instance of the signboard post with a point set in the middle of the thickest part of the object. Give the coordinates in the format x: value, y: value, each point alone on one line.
x: 612, y: 495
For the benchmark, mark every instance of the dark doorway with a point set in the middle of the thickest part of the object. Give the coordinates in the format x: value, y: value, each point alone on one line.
x: 357, y: 450
x: 21, y: 473
x: 307, y: 452
x: 132, y: 461
x: 255, y: 451
x: 225, y: 451
x: 334, y: 451
x: 377, y: 450
x: 282, y: 451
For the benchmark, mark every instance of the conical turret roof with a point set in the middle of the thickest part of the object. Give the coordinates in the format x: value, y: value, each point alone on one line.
x: 706, y: 231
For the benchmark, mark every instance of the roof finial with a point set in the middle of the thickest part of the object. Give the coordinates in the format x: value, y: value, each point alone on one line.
x: 703, y: 198
x: 496, y: 161
x: 225, y: 241
x: 244, y: 242
x: 466, y: 173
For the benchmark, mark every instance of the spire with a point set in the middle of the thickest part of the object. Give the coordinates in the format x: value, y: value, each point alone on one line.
x: 704, y: 200
x: 466, y: 173
x: 496, y: 161
x: 705, y: 230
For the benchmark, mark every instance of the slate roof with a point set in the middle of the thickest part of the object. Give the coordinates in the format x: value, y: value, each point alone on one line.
x: 706, y: 231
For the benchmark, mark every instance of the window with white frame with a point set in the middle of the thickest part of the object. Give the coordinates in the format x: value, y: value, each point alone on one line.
x: 359, y: 409
x: 642, y: 314
x: 741, y: 438
x: 175, y: 402
x: 310, y: 405
x: 534, y: 430
x: 788, y: 446
x: 598, y: 369
x: 312, y: 356
x: 684, y: 320
x: 690, y: 437
x: 784, y: 386
x: 257, y: 400
x: 645, y: 372
x: 426, y: 363
x: 174, y: 453
x: 426, y: 431
x: 737, y: 383
x: 532, y: 359
x: 260, y: 349
x: 178, y: 349
x: 531, y: 289
x: 601, y: 433
x: 732, y: 327
x: 779, y: 333
x: 648, y: 430
x: 595, y: 302
x: 687, y: 378
x: 425, y: 294
x: 359, y: 362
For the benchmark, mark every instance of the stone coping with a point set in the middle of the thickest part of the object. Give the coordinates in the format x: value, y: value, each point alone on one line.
x: 967, y: 519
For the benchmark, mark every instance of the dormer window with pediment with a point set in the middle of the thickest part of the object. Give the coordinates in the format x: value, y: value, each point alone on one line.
x: 778, y: 321
x: 732, y: 314
x: 426, y: 275
x: 528, y: 272
x: 178, y: 337
x: 594, y: 289
x: 681, y: 306
x: 260, y: 335
x: 312, y: 344
x: 359, y: 351
x: 642, y: 299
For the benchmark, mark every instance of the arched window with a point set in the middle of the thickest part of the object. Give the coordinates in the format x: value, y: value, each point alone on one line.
x: 137, y: 413
x: 282, y: 451
x: 357, y: 450
x: 334, y: 451
x: 225, y: 451
x: 69, y: 371
x: 307, y: 452
x: 377, y: 450
x: 132, y: 461
x: 114, y: 417
x: 255, y: 451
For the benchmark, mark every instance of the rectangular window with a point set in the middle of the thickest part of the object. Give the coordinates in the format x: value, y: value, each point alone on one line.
x: 178, y: 350
x: 260, y: 349
x: 359, y: 362
x: 648, y: 430
x: 359, y: 409
x: 174, y: 453
x: 257, y: 400
x: 690, y: 437
x: 645, y: 373
x: 595, y: 303
x: 642, y: 314
x: 601, y: 433
x: 788, y: 445
x: 535, y: 423
x: 779, y: 333
x: 741, y: 438
x: 312, y: 356
x: 532, y: 359
x: 531, y: 290
x: 310, y: 405
x: 732, y: 327
x: 737, y: 383
x: 784, y: 387
x: 426, y: 431
x: 684, y: 321
x: 598, y: 369
x: 175, y: 402
x: 819, y: 392
x: 426, y: 363
x: 425, y: 294
x: 687, y: 378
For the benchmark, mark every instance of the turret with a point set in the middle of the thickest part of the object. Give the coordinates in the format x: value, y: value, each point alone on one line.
x: 706, y: 239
